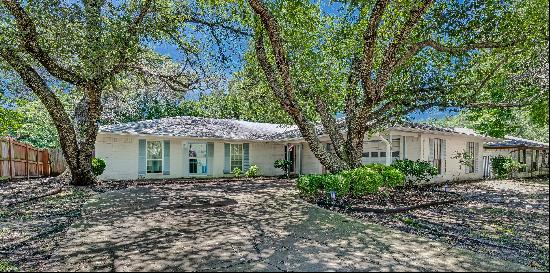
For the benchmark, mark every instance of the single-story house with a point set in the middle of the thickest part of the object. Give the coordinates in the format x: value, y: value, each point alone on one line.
x: 532, y: 153
x: 205, y: 147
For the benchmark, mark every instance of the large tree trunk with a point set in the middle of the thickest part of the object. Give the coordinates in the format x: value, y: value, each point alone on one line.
x: 78, y: 154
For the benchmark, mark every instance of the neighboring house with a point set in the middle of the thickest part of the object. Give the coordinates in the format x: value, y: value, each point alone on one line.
x: 532, y: 153
x: 204, y: 147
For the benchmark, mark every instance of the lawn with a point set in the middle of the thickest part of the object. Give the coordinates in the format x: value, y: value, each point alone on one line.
x: 506, y: 219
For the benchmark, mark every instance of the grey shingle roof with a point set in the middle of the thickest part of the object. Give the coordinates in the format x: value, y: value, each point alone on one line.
x: 197, y: 127
x: 201, y: 128
x: 515, y: 142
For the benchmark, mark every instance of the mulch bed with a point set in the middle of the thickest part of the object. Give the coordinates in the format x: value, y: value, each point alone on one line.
x: 506, y: 219
x: 393, y: 202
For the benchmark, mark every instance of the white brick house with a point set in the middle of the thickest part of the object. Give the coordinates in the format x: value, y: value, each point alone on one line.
x: 203, y: 147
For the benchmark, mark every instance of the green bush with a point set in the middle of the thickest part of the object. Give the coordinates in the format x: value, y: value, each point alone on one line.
x: 498, y: 165
x: 363, y: 180
x: 512, y: 167
x: 313, y: 184
x: 253, y: 171
x: 336, y: 183
x: 98, y: 166
x: 237, y: 172
x: 505, y: 166
x: 416, y: 171
x: 393, y: 177
x: 310, y: 185
x: 357, y: 182
x: 284, y: 165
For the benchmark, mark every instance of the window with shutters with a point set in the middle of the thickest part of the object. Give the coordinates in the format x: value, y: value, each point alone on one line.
x: 154, y: 156
x: 236, y: 153
x: 437, y: 160
x: 197, y: 158
x: 471, y: 152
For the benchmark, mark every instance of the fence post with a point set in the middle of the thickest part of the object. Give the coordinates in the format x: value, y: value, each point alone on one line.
x: 27, y: 160
x: 1, y: 157
x: 10, y: 158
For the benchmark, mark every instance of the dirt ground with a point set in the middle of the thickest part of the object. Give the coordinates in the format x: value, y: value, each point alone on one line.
x: 262, y: 225
x: 505, y: 219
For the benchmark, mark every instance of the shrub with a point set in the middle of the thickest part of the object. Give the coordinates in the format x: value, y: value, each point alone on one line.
x: 357, y: 182
x: 284, y: 165
x: 393, y: 177
x: 336, y: 183
x: 237, y: 172
x: 253, y: 171
x: 512, y: 167
x: 497, y: 164
x: 504, y: 166
x: 363, y: 180
x: 311, y: 185
x: 416, y: 171
x: 98, y: 166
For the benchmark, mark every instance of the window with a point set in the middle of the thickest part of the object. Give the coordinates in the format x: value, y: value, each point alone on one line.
x: 522, y: 158
x: 382, y: 154
x: 366, y: 154
x: 373, y: 154
x: 236, y: 156
x: 535, y: 161
x: 471, y: 152
x: 437, y: 154
x: 154, y: 157
x: 395, y: 154
x: 197, y: 158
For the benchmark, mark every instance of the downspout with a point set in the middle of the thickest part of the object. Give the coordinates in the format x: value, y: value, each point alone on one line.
x: 388, y: 149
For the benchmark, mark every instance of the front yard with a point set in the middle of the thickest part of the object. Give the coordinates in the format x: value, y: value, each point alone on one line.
x: 505, y: 219
x: 226, y: 225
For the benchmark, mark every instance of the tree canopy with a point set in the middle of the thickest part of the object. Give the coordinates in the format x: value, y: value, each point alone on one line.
x: 303, y: 62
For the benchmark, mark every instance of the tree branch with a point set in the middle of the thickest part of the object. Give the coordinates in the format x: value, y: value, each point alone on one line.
x: 172, y: 81
x: 455, y: 50
x: 369, y: 44
x: 331, y: 127
x: 389, y: 61
x: 285, y: 93
x: 29, y: 40
x: 197, y: 20
x: 53, y: 105
x: 132, y: 32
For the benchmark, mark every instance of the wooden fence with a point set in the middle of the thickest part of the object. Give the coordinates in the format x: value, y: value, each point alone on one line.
x: 22, y: 160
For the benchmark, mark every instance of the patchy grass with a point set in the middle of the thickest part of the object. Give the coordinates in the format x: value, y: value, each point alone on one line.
x: 6, y: 266
x: 30, y: 230
x: 506, y: 219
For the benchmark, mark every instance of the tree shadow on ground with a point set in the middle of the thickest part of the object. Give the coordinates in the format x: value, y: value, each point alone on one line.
x: 255, y: 226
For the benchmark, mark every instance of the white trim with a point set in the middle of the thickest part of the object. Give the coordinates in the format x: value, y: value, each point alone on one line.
x: 231, y: 156
x: 189, y: 158
x: 161, y: 157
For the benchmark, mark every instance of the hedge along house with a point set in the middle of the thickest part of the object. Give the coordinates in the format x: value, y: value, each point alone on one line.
x: 534, y: 154
x: 204, y: 147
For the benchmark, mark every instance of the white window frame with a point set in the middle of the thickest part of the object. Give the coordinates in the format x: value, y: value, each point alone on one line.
x: 437, y: 148
x: 472, y: 152
x: 231, y: 156
x: 161, y: 157
x: 189, y: 159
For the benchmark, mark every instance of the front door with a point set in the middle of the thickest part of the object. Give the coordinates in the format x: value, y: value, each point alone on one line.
x: 293, y: 154
x: 290, y: 155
